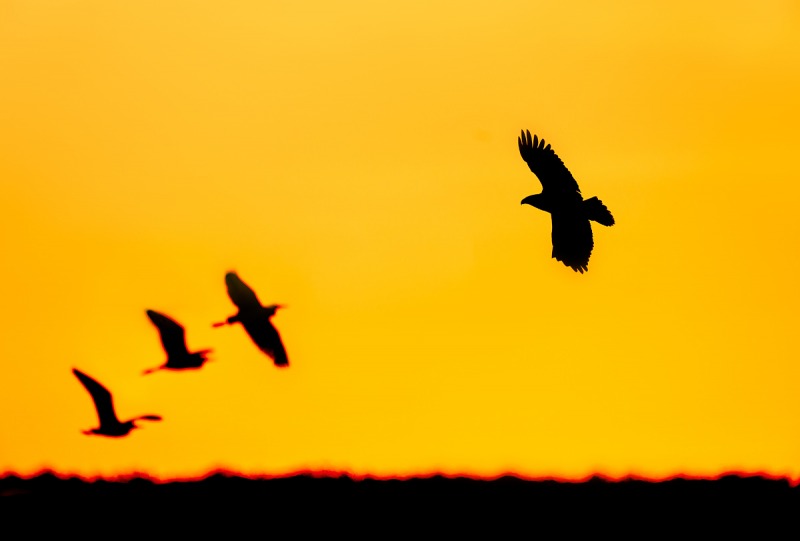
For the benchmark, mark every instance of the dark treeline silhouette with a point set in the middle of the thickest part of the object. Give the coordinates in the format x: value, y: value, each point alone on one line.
x: 173, y: 340
x: 570, y: 213
x: 110, y: 425
x: 255, y: 318
x: 458, y: 503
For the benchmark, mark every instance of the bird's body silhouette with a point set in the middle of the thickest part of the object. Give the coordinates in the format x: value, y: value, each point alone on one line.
x: 173, y: 339
x: 109, y: 424
x: 561, y: 197
x: 255, y: 318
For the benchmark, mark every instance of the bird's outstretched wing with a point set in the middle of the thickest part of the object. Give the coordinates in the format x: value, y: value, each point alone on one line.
x: 268, y: 340
x: 240, y: 293
x: 172, y: 333
x: 572, y: 241
x: 546, y: 165
x: 103, y: 402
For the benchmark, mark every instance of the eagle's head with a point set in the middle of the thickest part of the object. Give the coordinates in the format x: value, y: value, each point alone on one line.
x: 535, y: 200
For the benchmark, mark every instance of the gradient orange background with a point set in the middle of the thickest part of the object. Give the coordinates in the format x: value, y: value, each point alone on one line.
x: 357, y: 161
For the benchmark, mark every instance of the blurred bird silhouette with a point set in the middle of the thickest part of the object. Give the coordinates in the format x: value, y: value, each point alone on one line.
x: 109, y: 424
x: 255, y: 318
x: 173, y: 339
x: 570, y: 213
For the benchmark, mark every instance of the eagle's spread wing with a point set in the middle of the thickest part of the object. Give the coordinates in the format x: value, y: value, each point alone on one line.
x: 240, y: 293
x: 572, y: 240
x: 101, y: 397
x: 172, y: 333
x: 546, y: 165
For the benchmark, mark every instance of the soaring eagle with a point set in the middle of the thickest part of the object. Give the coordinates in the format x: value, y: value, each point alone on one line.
x: 561, y: 197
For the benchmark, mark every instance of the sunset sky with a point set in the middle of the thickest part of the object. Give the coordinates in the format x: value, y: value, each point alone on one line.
x: 357, y: 161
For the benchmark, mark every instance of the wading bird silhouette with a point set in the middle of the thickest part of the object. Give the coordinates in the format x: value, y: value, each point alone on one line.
x: 173, y: 339
x: 103, y: 403
x: 255, y: 318
x: 561, y: 197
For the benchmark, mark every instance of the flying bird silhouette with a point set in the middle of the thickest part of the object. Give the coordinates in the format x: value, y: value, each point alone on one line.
x: 173, y: 339
x: 570, y: 213
x: 255, y: 318
x: 109, y: 424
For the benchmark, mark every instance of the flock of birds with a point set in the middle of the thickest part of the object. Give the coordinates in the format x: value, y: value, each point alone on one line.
x: 253, y: 316
x: 572, y: 245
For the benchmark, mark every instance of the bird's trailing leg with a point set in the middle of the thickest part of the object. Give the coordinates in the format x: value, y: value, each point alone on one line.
x: 144, y: 417
x: 151, y: 370
x: 230, y: 321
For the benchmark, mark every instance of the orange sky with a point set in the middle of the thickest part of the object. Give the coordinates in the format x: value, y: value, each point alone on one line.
x: 358, y: 163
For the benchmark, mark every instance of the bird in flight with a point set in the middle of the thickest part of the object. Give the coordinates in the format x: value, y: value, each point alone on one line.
x: 109, y: 424
x: 569, y: 212
x: 255, y: 318
x: 173, y: 339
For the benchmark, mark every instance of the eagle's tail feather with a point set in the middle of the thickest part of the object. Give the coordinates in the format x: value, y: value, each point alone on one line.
x: 597, y: 211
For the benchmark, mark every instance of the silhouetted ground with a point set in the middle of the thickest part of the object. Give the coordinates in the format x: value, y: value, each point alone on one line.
x: 305, y: 501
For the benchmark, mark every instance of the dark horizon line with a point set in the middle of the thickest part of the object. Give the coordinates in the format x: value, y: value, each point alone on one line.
x: 340, y: 474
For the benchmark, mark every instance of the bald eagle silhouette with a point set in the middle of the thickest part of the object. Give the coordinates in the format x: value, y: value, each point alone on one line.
x: 255, y: 318
x: 561, y: 197
x: 109, y: 424
x: 173, y: 340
